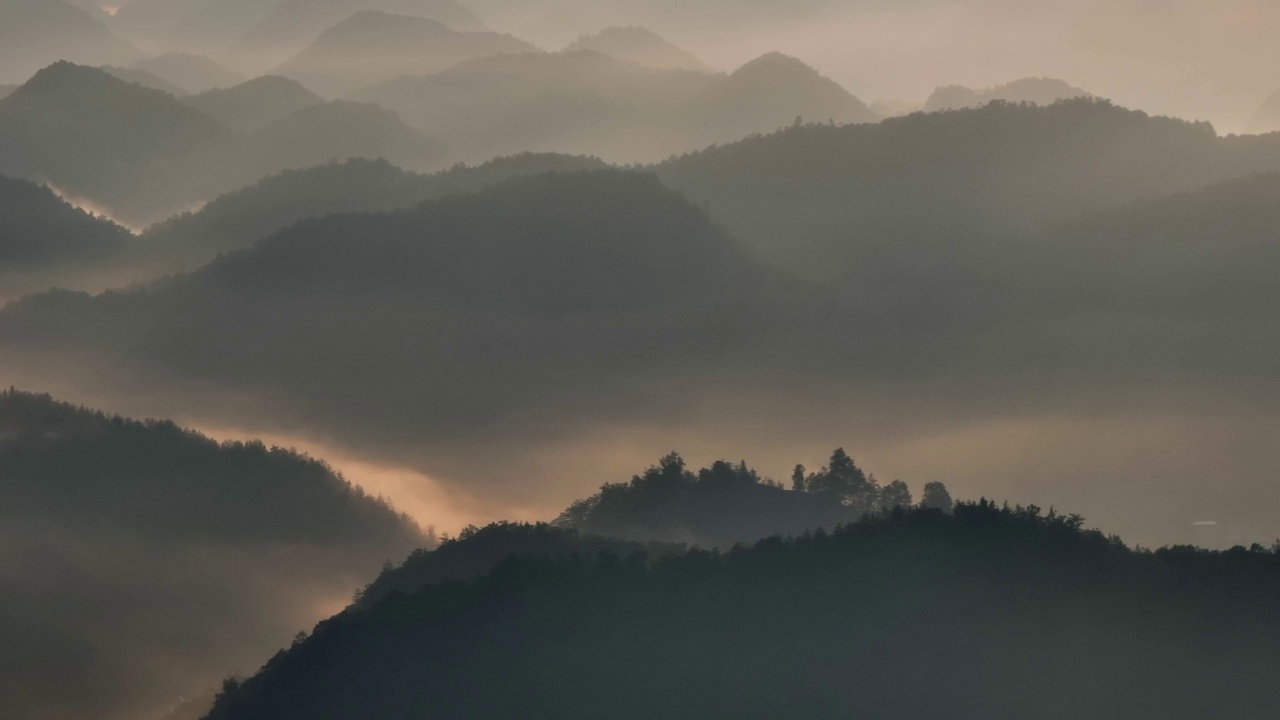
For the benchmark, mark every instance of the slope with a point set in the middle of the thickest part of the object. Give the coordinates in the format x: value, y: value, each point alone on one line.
x: 999, y: 612
x: 372, y: 47
x: 639, y: 44
x: 124, y: 541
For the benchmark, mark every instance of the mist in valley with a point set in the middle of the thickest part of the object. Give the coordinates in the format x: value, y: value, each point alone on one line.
x: 382, y: 358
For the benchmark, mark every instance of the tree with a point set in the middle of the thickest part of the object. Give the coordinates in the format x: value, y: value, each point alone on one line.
x: 937, y: 497
x: 895, y: 495
x: 799, y: 482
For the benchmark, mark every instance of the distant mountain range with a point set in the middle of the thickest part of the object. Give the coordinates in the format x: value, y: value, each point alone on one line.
x: 585, y: 102
x: 35, y: 33
x: 1267, y: 119
x: 193, y: 73
x: 639, y: 44
x: 1039, y: 91
x: 294, y: 24
x: 143, y: 154
x: 372, y: 47
x: 254, y: 104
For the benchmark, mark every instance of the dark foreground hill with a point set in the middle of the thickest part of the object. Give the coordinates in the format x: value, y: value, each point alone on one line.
x: 990, y: 612
x: 127, y: 542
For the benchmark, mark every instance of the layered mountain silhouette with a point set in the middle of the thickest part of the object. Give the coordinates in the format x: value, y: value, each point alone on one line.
x: 237, y: 220
x: 1001, y: 612
x: 254, y: 104
x: 144, y: 78
x: 823, y: 199
x: 771, y: 92
x: 294, y: 24
x: 1267, y: 119
x: 641, y: 45
x: 94, y: 135
x: 585, y: 102
x: 200, y: 26
x: 143, y: 154
x: 373, y: 46
x: 1039, y: 91
x: 7, y: 90
x: 104, y: 517
x: 193, y: 73
x: 39, y: 228
x: 35, y: 33
x: 468, y: 312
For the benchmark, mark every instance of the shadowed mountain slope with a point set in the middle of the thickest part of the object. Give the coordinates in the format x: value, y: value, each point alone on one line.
x: 129, y: 541
x: 841, y: 624
x: 254, y: 104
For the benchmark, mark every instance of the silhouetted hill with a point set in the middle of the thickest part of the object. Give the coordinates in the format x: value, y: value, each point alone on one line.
x: 729, y: 503
x: 1039, y: 91
x: 192, y: 73
x: 476, y: 551
x: 293, y: 24
x: 256, y: 103
x: 144, y: 78
x: 771, y: 92
x: 200, y: 26
x: 533, y: 304
x: 35, y: 33
x: 914, y: 190
x: 641, y: 45
x: 38, y: 228
x: 986, y: 613
x: 585, y: 102
x: 95, y: 135
x: 127, y: 541
x: 579, y: 103
x: 372, y: 47
x: 1267, y: 119
x: 7, y: 90
x: 311, y: 136
x: 239, y: 219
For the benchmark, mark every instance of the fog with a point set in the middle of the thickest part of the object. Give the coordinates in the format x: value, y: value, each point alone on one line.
x: 348, y: 276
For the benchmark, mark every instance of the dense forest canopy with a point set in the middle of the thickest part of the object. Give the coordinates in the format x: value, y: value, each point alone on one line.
x: 138, y: 540
x: 1004, y: 612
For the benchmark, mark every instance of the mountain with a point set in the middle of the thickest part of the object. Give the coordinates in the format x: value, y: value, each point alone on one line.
x: 987, y: 612
x: 256, y: 103
x: 1267, y: 119
x: 771, y: 92
x: 39, y: 228
x: 237, y: 220
x: 192, y: 73
x: 35, y: 33
x: 585, y: 102
x: 914, y: 190
x: 372, y: 47
x: 641, y: 45
x: 465, y: 313
x: 144, y: 78
x: 579, y: 103
x: 7, y: 90
x: 334, y: 131
x: 1039, y: 91
x: 728, y: 504
x: 94, y: 135
x: 127, y: 541
x: 293, y: 24
x: 196, y: 26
